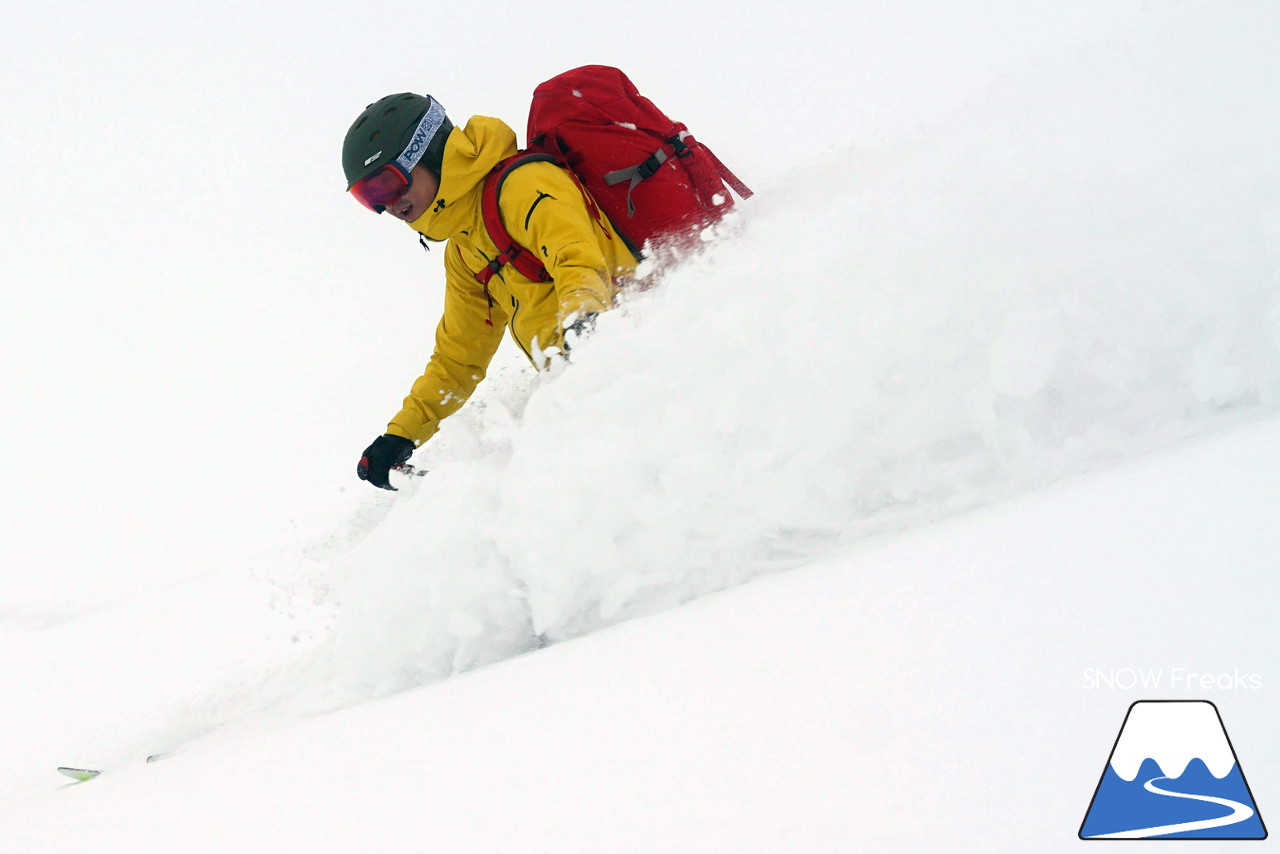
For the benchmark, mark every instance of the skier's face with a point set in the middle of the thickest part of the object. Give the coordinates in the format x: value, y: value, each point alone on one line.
x: 421, y: 193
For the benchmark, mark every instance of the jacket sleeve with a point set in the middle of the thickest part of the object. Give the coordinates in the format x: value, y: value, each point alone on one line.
x: 466, y: 339
x: 545, y: 211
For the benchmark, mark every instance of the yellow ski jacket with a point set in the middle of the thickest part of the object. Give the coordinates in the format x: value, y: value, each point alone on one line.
x: 544, y: 210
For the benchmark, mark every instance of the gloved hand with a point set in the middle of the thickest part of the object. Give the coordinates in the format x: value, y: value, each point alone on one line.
x: 386, y: 451
x: 580, y: 329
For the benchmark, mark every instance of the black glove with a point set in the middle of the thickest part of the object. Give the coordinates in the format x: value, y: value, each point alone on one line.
x: 385, y: 452
x: 579, y: 329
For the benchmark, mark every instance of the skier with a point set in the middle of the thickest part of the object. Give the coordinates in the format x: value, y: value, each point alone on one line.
x: 403, y: 156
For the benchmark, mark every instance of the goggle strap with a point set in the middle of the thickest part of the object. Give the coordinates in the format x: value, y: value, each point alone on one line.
x: 422, y: 136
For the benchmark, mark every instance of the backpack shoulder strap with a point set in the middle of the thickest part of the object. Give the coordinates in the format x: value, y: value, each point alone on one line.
x: 509, y: 252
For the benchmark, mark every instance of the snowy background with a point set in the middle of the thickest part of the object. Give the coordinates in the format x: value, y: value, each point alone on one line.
x: 981, y: 390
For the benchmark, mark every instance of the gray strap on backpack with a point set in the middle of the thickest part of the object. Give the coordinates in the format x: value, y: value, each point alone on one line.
x: 636, y: 174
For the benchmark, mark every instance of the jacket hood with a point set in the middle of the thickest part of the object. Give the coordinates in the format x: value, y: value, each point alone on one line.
x: 470, y: 153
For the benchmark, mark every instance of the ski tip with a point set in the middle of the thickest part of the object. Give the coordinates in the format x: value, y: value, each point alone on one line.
x: 79, y: 774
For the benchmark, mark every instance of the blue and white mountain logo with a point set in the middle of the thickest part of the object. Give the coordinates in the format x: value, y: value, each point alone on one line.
x: 1173, y: 774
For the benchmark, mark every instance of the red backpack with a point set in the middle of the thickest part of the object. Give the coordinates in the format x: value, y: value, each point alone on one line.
x: 646, y: 172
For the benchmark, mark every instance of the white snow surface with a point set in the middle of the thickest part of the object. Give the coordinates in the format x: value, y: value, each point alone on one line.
x: 979, y: 392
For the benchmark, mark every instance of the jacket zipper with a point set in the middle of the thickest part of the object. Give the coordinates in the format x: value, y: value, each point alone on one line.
x: 515, y: 305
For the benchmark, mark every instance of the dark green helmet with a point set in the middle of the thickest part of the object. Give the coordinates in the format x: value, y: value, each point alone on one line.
x: 405, y: 129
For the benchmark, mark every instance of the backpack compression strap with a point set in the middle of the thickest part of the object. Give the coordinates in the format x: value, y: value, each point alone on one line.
x: 675, y: 147
x: 509, y: 252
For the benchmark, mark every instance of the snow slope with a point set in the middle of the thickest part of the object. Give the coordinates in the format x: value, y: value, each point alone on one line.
x: 920, y: 693
x: 1062, y: 259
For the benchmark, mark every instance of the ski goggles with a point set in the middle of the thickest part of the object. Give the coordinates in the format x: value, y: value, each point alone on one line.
x: 382, y: 188
x: 386, y: 185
